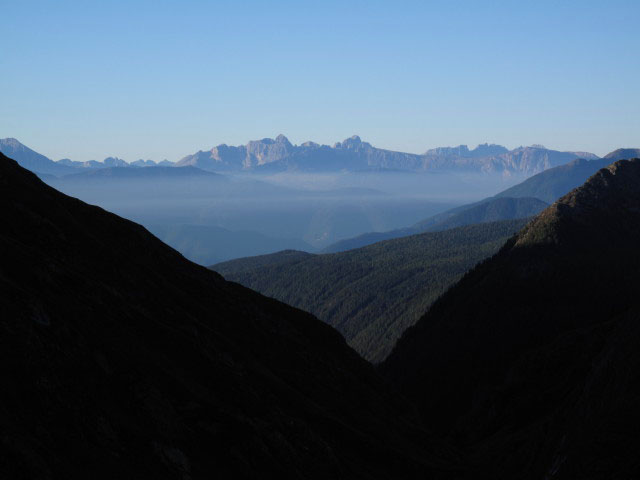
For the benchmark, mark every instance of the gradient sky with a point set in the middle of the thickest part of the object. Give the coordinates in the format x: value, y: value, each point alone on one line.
x: 159, y: 79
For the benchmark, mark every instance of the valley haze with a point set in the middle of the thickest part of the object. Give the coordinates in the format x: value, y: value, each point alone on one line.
x: 271, y: 195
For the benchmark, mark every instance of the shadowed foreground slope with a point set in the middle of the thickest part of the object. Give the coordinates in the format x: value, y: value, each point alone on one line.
x: 120, y: 359
x: 531, y: 361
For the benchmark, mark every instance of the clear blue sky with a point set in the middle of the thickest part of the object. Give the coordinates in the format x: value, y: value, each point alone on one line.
x: 159, y: 79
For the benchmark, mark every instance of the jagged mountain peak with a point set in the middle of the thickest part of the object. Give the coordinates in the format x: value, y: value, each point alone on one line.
x: 282, y: 139
x: 352, y: 142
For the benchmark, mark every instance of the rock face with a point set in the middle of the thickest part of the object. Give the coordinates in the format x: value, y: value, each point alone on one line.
x: 531, y: 362
x: 483, y: 150
x: 268, y: 155
x: 121, y: 359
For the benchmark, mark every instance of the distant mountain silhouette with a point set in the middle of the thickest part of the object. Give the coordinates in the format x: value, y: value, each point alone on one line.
x: 531, y: 361
x: 40, y: 164
x: 372, y: 294
x: 273, y: 155
x: 556, y: 182
x: 121, y: 359
x: 32, y: 160
x: 623, y: 153
x: 87, y: 164
x: 488, y: 210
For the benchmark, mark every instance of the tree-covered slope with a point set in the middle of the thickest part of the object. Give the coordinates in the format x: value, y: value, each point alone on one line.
x: 531, y: 361
x: 372, y: 294
x: 121, y: 359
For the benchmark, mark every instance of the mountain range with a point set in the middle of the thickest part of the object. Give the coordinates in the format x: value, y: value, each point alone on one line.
x: 279, y: 155
x: 274, y: 155
x: 122, y: 359
x: 530, y: 362
x: 38, y: 163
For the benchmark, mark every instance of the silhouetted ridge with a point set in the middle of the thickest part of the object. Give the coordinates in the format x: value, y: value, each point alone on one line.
x: 531, y: 362
x: 121, y: 359
x: 623, y: 153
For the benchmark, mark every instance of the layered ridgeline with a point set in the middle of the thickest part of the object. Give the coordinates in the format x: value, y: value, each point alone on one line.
x: 121, y: 359
x: 531, y: 361
x: 371, y: 295
x: 556, y: 182
x: 38, y: 163
x: 522, y: 200
x: 275, y: 155
x: 488, y: 210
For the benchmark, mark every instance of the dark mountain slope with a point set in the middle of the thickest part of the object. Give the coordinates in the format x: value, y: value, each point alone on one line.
x: 371, y: 295
x: 531, y: 360
x: 488, y: 210
x: 121, y: 359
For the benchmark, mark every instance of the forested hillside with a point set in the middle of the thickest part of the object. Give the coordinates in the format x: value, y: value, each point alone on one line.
x: 372, y: 294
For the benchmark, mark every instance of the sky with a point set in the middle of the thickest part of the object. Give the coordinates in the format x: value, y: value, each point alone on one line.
x: 159, y: 79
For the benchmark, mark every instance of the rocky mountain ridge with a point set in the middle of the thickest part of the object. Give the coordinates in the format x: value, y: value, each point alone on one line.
x: 353, y: 154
